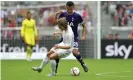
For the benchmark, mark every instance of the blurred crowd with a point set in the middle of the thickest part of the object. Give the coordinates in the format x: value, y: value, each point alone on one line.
x: 12, y: 14
x: 112, y: 36
x: 121, y: 15
x: 121, y: 12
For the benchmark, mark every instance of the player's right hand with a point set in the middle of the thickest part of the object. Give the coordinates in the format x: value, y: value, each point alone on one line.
x: 82, y: 38
x: 59, y: 12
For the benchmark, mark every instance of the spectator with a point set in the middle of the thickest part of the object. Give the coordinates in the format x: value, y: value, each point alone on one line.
x: 110, y: 36
x: 85, y: 14
x: 3, y: 17
x: 19, y: 20
x: 45, y: 16
x: 41, y: 21
x: 122, y: 15
x: 11, y: 25
x: 124, y: 20
x: 112, y: 8
x: 119, y: 14
x: 131, y: 9
x: 131, y: 15
x: 117, y: 36
x: 106, y: 7
x: 130, y: 36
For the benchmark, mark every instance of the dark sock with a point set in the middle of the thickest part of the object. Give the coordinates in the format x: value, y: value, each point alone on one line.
x: 57, y: 61
x: 79, y: 58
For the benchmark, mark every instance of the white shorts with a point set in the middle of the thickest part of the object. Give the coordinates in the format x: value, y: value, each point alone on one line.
x: 62, y: 53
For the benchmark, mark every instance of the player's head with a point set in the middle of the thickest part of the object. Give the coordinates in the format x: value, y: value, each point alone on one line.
x: 62, y: 24
x: 69, y: 7
x: 28, y: 15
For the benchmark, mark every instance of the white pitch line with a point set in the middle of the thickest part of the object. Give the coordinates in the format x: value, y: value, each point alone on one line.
x: 108, y: 74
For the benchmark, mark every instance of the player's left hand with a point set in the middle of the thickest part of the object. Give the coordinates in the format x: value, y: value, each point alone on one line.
x: 82, y: 38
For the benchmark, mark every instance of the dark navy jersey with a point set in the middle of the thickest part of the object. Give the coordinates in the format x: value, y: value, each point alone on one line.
x: 73, y: 20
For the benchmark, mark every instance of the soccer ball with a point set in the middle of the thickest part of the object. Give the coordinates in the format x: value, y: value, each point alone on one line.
x: 75, y: 71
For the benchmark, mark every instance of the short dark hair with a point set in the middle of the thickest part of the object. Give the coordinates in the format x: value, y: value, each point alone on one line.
x: 70, y: 3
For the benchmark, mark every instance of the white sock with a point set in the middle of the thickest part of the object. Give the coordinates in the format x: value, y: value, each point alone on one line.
x: 53, y: 66
x: 44, y: 62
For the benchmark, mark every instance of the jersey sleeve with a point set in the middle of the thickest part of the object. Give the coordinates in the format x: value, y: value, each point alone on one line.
x: 22, y: 29
x: 60, y: 16
x: 80, y: 19
x: 35, y: 29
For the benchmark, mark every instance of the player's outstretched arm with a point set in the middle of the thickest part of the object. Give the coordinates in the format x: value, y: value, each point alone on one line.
x: 36, y: 33
x: 22, y: 30
x: 35, y: 29
x: 62, y: 47
x: 55, y: 17
x: 84, y: 32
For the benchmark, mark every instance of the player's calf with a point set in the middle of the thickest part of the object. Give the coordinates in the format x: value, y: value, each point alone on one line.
x: 79, y: 58
x: 57, y: 62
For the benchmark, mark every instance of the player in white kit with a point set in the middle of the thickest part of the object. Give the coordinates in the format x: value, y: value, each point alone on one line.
x: 60, y: 50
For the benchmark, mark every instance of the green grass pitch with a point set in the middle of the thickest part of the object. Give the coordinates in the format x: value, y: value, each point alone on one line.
x: 105, y: 69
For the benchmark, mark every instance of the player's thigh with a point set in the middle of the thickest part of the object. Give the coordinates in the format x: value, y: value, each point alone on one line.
x: 75, y: 48
x: 50, y: 53
x: 28, y: 39
x: 62, y: 53
x: 53, y: 48
x: 53, y: 56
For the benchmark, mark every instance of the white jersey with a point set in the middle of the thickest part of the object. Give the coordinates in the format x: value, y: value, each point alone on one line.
x: 68, y: 37
x: 68, y: 40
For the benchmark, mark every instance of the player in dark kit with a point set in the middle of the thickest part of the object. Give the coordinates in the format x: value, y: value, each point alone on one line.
x: 73, y: 20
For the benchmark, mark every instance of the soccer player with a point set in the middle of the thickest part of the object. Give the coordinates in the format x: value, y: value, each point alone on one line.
x: 29, y: 34
x: 60, y: 50
x: 130, y: 36
x: 73, y: 20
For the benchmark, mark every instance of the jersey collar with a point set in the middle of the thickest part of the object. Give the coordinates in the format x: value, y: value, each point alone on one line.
x: 70, y: 14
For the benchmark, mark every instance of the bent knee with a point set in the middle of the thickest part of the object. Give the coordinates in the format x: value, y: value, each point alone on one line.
x: 75, y: 51
x: 48, y: 55
x: 51, y: 57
